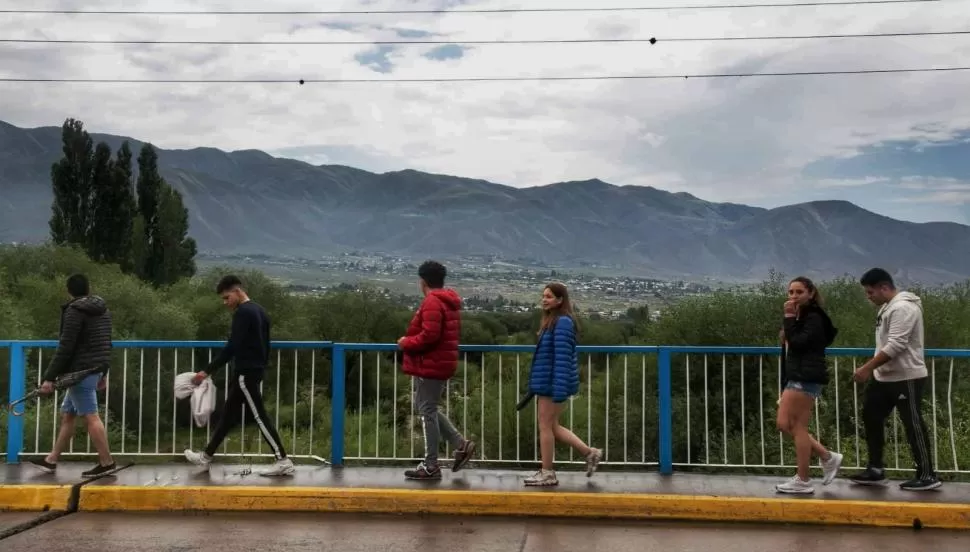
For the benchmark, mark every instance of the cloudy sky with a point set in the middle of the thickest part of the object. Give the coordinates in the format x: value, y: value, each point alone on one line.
x: 898, y: 144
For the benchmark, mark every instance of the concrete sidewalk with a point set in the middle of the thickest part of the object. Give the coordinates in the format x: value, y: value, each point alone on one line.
x: 177, y: 487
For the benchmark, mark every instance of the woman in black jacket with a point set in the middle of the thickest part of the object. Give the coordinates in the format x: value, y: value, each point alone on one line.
x: 807, y: 332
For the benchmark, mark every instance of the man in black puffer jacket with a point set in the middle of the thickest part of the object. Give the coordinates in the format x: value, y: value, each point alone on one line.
x: 84, y: 342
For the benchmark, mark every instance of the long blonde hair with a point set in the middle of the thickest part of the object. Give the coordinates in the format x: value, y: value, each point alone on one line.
x: 565, y: 307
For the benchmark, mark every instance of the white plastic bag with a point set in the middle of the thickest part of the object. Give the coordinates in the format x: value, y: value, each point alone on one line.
x: 203, y: 396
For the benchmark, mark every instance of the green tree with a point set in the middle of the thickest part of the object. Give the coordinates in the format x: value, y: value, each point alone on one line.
x: 71, y: 178
x: 165, y: 253
x: 99, y: 211
x: 93, y: 203
x: 149, y: 192
x: 178, y: 250
x: 115, y: 212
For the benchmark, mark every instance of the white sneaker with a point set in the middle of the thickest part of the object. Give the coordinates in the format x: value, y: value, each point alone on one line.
x: 197, y: 458
x: 280, y: 467
x: 830, y: 468
x: 542, y: 478
x: 795, y: 486
x: 593, y: 460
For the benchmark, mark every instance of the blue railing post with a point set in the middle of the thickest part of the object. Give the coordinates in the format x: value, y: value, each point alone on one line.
x: 18, y: 385
x: 338, y: 380
x: 665, y: 434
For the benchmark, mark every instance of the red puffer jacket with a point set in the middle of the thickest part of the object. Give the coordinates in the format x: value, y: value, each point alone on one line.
x: 431, y: 343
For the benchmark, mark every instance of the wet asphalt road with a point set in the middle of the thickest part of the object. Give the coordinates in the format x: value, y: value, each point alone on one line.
x: 83, y: 532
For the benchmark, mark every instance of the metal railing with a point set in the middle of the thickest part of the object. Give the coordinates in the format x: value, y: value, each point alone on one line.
x: 724, y: 422
x: 694, y: 408
x: 140, y: 411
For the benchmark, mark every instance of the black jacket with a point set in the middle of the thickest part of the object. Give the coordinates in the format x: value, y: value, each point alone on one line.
x: 807, y: 337
x: 248, y: 346
x: 84, y: 339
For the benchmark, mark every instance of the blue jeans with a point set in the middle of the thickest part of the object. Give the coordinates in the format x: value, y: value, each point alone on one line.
x: 82, y: 398
x: 812, y: 389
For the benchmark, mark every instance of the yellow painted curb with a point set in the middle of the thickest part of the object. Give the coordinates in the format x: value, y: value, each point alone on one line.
x: 34, y: 498
x: 552, y: 504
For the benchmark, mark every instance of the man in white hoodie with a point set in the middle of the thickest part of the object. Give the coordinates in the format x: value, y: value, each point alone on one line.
x: 900, y: 376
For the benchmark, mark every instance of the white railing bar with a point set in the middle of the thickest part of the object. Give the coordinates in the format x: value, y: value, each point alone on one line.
x: 501, y: 407
x: 276, y: 415
x: 838, y: 411
x: 377, y: 409
x: 949, y: 408
x: 744, y: 441
x: 626, y: 393
x: 124, y: 401
x: 936, y: 455
x: 855, y: 406
x: 464, y: 406
x: 707, y: 423
x: 687, y: 394
x: 225, y: 377
x: 781, y: 436
x: 818, y: 422
x: 412, y: 414
x: 761, y: 405
x: 518, y: 425
x: 724, y: 439
x: 482, y: 406
x: 192, y: 425
x: 175, y: 371
x: 158, y: 396
x: 360, y: 404
x: 394, y: 391
x: 40, y: 369
x: 895, y: 436
x: 296, y: 369
x: 643, y: 408
x: 141, y: 394
x: 589, y: 399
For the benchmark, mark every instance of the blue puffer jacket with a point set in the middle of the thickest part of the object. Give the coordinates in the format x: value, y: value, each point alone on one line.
x: 555, y: 364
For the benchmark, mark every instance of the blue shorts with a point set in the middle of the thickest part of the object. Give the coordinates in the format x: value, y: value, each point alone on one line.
x: 82, y: 398
x: 812, y: 389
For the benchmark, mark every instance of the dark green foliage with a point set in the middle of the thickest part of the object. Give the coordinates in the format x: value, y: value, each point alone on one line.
x: 94, y: 209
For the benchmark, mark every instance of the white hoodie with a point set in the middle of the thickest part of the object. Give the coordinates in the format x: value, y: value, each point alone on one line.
x: 899, y: 334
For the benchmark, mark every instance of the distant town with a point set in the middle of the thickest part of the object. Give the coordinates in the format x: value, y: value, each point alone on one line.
x: 487, y: 283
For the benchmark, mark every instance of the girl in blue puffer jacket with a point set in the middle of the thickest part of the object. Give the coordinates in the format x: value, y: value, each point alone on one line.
x: 553, y: 379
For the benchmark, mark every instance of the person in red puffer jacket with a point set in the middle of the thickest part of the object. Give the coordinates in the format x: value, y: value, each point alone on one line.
x: 431, y: 357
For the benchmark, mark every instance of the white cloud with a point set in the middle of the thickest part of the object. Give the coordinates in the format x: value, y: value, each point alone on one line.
x: 849, y: 182
x: 722, y: 139
x: 944, y: 197
x: 937, y: 184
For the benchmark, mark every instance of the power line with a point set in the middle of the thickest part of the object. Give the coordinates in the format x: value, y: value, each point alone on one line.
x: 652, y: 40
x: 484, y: 79
x: 482, y: 10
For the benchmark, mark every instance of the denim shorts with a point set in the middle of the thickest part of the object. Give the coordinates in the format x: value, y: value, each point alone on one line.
x: 812, y: 389
x: 82, y: 398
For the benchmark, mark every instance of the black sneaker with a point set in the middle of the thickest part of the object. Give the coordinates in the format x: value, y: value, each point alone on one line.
x: 921, y: 484
x: 99, y: 470
x: 870, y: 476
x: 463, y: 455
x: 423, y: 472
x: 44, y: 466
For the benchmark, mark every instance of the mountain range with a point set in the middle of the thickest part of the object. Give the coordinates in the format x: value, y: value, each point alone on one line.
x: 249, y: 202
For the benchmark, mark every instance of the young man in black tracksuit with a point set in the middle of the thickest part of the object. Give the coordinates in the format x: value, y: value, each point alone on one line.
x: 900, y: 375
x: 248, y: 349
